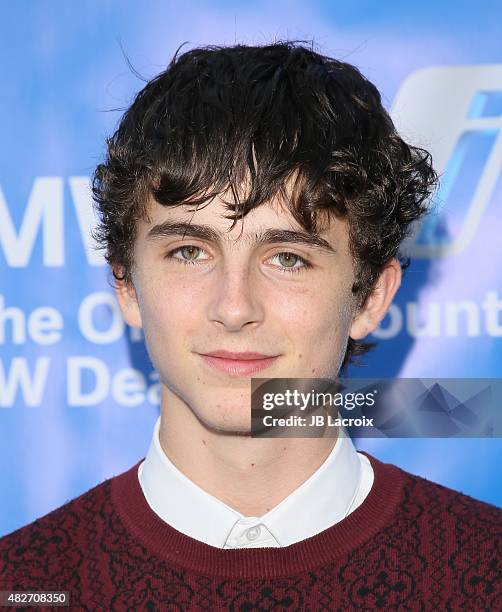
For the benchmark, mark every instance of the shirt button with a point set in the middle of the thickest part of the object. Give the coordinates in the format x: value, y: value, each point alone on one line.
x: 253, y: 532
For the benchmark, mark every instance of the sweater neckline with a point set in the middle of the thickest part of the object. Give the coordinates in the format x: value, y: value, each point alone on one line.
x: 178, y: 549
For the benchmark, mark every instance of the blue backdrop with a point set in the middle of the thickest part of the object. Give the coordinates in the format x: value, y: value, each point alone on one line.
x: 77, y: 399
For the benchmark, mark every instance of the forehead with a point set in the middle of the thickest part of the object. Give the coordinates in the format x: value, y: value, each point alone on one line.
x: 270, y: 215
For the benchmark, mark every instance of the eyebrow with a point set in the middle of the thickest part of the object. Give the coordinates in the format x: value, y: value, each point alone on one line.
x: 206, y: 232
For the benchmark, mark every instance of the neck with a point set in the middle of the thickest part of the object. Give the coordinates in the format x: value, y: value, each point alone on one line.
x: 251, y: 475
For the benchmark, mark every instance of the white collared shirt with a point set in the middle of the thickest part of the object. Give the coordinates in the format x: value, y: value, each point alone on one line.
x: 330, y: 494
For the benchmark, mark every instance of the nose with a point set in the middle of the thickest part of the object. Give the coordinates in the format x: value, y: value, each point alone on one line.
x: 235, y: 302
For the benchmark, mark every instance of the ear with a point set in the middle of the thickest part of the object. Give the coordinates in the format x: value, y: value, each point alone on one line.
x: 128, y: 302
x: 373, y: 311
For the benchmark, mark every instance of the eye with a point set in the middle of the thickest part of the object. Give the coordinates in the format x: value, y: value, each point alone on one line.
x: 190, y: 250
x: 287, y: 261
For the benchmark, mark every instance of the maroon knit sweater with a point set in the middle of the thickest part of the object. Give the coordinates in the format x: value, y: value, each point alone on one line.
x: 411, y: 545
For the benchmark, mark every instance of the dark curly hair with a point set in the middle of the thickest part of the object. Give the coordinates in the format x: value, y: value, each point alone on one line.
x: 221, y: 115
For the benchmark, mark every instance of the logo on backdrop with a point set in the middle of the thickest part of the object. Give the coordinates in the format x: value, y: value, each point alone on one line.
x: 456, y: 114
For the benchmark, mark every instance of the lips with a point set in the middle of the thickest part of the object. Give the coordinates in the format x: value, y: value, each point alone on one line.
x: 245, y: 365
x: 243, y: 356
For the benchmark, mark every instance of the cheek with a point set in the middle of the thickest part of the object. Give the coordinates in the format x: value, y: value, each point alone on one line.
x: 171, y: 311
x: 318, y: 324
x: 312, y: 313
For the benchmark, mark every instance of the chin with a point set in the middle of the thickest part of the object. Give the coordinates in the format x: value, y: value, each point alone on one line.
x: 228, y: 428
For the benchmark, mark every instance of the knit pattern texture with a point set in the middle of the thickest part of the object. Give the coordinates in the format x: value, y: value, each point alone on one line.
x: 411, y: 545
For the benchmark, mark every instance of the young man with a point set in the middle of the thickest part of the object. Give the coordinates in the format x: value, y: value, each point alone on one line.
x: 252, y: 205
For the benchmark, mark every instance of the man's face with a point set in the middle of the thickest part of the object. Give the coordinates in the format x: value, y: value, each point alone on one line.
x: 197, y: 295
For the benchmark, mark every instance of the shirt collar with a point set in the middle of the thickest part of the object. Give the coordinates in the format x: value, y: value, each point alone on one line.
x: 324, y: 499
